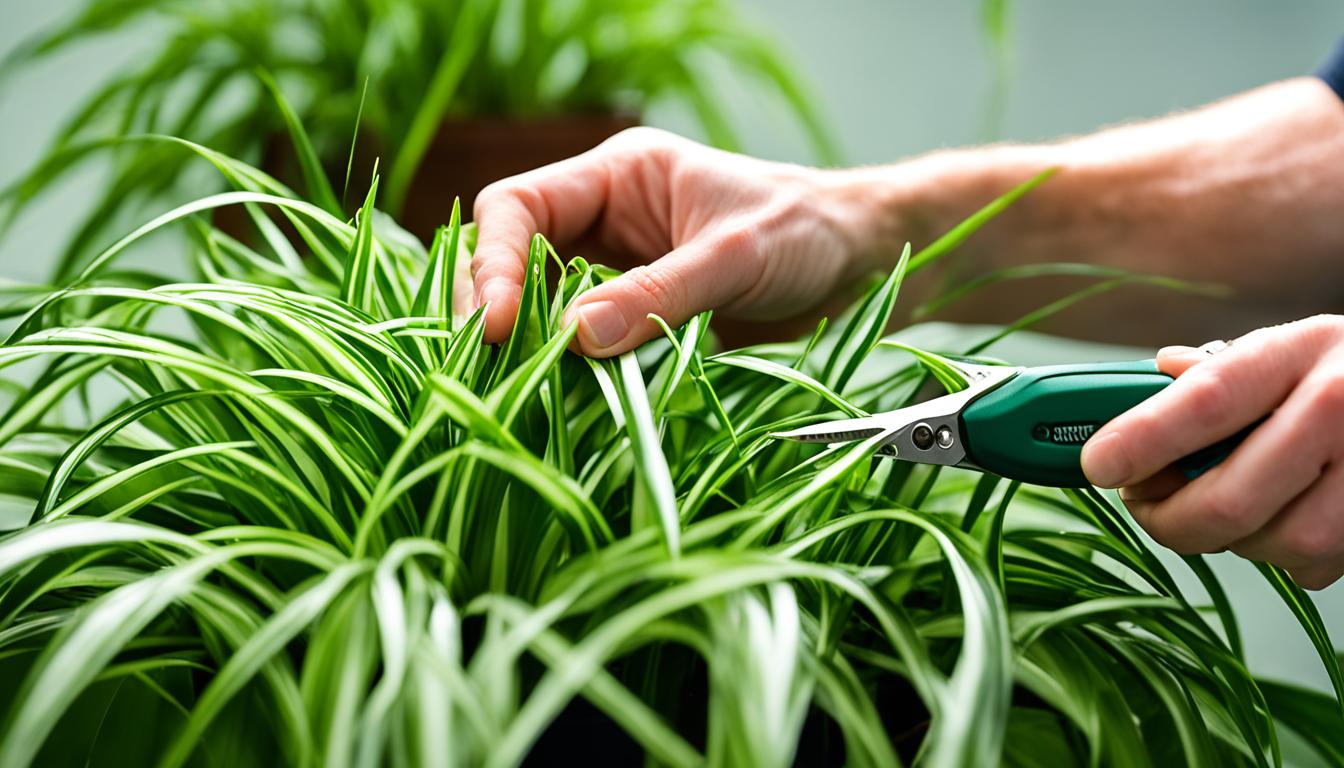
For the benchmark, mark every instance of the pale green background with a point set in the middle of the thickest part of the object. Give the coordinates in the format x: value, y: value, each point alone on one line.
x: 896, y: 78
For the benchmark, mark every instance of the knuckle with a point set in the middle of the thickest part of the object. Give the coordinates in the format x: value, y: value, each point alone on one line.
x: 660, y: 288
x: 1185, y: 529
x: 1179, y: 541
x: 1136, y: 428
x: 637, y: 134
x: 1227, y: 511
x: 738, y: 242
x: 532, y: 200
x: 1209, y: 397
x: 787, y: 202
x: 695, y: 176
x: 789, y: 214
x: 1323, y: 323
x: 510, y: 193
x: 742, y: 246
x: 491, y: 195
x: 1161, y: 521
x: 1309, y: 544
x: 1318, y: 330
x: 1156, y: 528
x: 640, y: 137
x: 695, y: 167
x: 1326, y: 395
x: 485, y: 266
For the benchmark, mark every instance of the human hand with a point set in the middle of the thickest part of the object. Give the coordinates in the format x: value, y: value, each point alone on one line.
x: 1279, y: 497
x: 695, y: 228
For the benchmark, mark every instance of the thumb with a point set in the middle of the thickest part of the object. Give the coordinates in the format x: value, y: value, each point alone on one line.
x: 614, y: 317
x: 1176, y: 360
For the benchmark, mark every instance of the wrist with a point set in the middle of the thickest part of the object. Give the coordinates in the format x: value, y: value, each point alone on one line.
x: 868, y: 206
x: 881, y: 208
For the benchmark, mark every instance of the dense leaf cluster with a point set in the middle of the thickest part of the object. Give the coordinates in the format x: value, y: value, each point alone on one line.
x: 298, y: 508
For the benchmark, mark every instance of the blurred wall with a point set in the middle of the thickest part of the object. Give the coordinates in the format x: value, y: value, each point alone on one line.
x: 895, y: 77
x: 899, y: 77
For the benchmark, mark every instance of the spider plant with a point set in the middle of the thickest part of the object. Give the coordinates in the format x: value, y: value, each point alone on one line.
x: 397, y: 69
x: 295, y: 511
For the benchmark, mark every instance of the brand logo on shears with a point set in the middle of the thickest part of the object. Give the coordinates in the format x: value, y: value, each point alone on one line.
x: 1064, y: 434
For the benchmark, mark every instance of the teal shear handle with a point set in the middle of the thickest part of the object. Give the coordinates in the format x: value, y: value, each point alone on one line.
x: 1032, y: 428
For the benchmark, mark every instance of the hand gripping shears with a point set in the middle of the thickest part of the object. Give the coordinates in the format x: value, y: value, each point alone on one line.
x: 1025, y: 424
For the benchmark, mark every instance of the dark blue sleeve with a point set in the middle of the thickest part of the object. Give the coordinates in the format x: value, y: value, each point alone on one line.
x: 1332, y: 71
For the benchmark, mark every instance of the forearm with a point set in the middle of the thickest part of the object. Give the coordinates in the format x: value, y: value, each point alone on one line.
x: 1248, y: 192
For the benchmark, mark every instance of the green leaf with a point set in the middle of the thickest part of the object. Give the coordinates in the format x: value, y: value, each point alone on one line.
x: 436, y: 287
x: 267, y: 641
x: 790, y: 375
x: 865, y: 328
x: 1310, y: 714
x: 314, y: 178
x: 650, y: 463
x: 360, y: 287
x: 81, y: 651
x: 456, y: 56
x: 1304, y: 610
x: 1028, y: 271
x: 958, y: 234
x: 944, y: 370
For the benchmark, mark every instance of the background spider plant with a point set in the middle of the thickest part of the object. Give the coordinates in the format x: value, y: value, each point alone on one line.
x: 395, y: 68
x: 296, y: 508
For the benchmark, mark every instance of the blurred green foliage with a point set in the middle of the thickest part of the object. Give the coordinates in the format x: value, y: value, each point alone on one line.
x: 396, y: 68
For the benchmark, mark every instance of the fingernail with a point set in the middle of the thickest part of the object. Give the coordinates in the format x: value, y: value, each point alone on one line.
x: 602, y: 324
x: 1105, y: 462
x: 1215, y: 346
x: 1177, y: 349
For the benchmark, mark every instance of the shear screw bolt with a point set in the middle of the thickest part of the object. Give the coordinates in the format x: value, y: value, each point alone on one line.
x: 922, y: 436
x: 1041, y: 432
x: 944, y: 437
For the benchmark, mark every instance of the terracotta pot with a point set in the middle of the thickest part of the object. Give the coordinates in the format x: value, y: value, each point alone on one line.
x: 466, y: 155
x: 469, y: 154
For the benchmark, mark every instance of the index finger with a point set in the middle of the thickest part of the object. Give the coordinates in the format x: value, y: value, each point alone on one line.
x: 560, y: 201
x: 1209, y: 401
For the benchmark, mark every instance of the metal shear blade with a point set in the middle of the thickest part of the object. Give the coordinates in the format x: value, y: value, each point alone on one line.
x: 928, y: 432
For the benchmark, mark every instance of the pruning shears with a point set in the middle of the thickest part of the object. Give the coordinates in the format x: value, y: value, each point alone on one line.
x: 1025, y: 424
